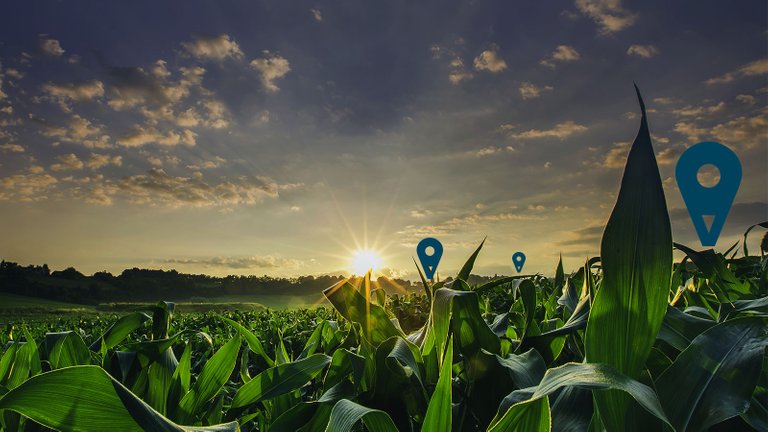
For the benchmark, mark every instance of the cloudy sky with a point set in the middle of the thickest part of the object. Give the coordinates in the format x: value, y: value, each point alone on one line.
x: 265, y: 137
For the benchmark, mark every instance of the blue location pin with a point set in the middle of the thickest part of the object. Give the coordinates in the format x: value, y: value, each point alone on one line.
x: 714, y: 201
x: 429, y: 261
x: 518, y: 259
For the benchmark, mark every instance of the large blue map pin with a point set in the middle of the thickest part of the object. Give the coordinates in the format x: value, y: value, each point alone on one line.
x: 429, y: 261
x: 518, y: 259
x: 702, y: 201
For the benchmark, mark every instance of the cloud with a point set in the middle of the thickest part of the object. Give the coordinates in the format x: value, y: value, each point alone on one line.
x: 213, y: 47
x: 79, y: 131
x: 217, y: 114
x: 664, y: 100
x: 186, y: 118
x: 271, y: 68
x: 462, y: 223
x: 50, y: 46
x: 699, y: 111
x: 670, y: 155
x: 80, y: 92
x: 100, y: 160
x: 643, y: 51
x: 585, y: 239
x: 757, y: 67
x: 31, y: 186
x: 745, y: 132
x: 12, y: 148
x: 156, y: 187
x: 560, y: 131
x: 240, y: 263
x: 420, y: 213
x: 531, y: 91
x: 746, y: 99
x: 317, y: 15
x: 141, y: 136
x: 609, y: 15
x: 563, y: 53
x: 213, y: 163
x: 617, y: 156
x: 68, y: 162
x: 132, y: 86
x: 456, y: 76
x: 489, y: 61
x: 14, y: 73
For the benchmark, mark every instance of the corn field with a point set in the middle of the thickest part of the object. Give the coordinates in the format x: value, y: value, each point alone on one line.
x: 629, y: 341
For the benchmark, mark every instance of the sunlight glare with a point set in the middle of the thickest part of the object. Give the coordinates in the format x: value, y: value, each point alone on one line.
x: 364, y: 260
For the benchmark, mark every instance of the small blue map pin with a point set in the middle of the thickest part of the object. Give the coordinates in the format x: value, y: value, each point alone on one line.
x: 702, y: 201
x: 429, y: 261
x: 518, y: 259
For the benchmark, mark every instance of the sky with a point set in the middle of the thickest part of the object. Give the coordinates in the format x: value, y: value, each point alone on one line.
x: 266, y: 137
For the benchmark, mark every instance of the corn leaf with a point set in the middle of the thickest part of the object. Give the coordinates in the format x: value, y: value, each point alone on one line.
x: 713, y: 378
x: 280, y: 380
x: 636, y: 256
x: 346, y: 414
x: 439, y: 414
x: 86, y: 398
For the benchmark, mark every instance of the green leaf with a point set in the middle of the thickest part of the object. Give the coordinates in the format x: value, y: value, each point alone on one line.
x: 713, y: 379
x: 439, y: 415
x: 280, y: 380
x: 162, y: 313
x: 346, y: 414
x: 375, y: 322
x: 594, y: 376
x: 180, y: 381
x: 761, y: 224
x: 254, y: 344
x: 526, y: 370
x: 714, y: 267
x: 559, y: 278
x: 532, y: 415
x: 215, y: 374
x: 680, y: 328
x: 160, y: 375
x: 23, y: 364
x: 119, y: 330
x: 461, y: 311
x: 7, y: 361
x: 636, y: 256
x: 424, y: 283
x: 466, y: 270
x: 86, y: 398
x: 66, y: 349
x: 343, y: 363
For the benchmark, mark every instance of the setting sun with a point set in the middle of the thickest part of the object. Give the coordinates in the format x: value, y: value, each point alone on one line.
x: 364, y: 260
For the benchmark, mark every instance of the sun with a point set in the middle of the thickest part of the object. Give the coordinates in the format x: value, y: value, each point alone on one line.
x: 364, y: 260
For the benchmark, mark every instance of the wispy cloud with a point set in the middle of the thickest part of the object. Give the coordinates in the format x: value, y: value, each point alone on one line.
x: 271, y: 67
x: 559, y: 131
x: 259, y: 262
x: 643, y: 51
x: 489, y: 61
x: 562, y: 54
x: 531, y: 91
x: 213, y: 47
x: 50, y: 46
x: 609, y: 15
x: 757, y: 67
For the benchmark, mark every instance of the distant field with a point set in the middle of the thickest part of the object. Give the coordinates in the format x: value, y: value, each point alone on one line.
x: 13, y: 301
x: 23, y: 307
